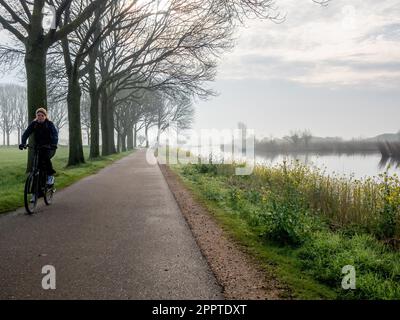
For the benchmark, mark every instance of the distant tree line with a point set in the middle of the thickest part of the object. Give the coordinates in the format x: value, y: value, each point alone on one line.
x: 13, y: 115
x: 304, y: 142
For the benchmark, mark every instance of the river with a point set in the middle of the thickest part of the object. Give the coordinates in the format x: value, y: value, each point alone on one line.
x: 360, y: 166
x: 357, y: 165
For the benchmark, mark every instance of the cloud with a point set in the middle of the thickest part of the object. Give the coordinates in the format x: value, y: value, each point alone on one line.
x: 346, y: 43
x: 389, y: 32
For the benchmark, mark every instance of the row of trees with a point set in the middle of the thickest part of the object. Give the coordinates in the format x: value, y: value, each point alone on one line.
x: 13, y: 115
x: 298, y: 137
x: 134, y: 59
x: 131, y: 116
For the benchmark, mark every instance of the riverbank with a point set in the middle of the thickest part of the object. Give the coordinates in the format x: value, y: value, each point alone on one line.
x: 305, y: 227
x: 13, y: 166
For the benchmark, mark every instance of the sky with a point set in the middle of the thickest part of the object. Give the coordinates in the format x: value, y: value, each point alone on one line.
x: 334, y: 70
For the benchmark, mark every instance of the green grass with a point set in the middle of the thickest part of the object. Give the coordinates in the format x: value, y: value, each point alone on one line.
x: 13, y: 166
x: 271, y: 215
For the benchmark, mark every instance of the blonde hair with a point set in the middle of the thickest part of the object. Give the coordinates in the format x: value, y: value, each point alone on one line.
x: 41, y: 110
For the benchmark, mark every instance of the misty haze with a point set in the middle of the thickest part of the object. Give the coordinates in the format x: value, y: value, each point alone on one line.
x: 106, y: 170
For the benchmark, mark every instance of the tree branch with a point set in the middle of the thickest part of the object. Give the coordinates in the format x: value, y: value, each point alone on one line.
x: 54, y: 36
x: 26, y: 9
x: 14, y: 15
x: 6, y: 25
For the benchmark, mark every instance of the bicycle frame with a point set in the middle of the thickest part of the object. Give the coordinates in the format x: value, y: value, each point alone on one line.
x: 36, y: 183
x: 36, y: 170
x: 35, y: 163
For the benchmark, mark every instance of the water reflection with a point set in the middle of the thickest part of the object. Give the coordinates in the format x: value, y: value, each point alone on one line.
x: 357, y: 165
x: 393, y: 162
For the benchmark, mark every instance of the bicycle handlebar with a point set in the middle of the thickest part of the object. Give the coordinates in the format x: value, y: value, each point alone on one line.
x: 49, y: 147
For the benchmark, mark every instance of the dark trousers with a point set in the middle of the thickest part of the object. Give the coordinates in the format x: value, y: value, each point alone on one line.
x: 44, y: 159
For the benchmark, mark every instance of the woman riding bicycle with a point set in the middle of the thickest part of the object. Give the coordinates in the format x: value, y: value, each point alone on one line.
x: 45, y: 134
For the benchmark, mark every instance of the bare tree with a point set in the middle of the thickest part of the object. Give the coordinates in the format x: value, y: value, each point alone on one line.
x: 123, y: 118
x: 149, y: 117
x: 24, y: 20
x: 128, y: 115
x: 10, y: 99
x: 21, y: 114
x: 166, y: 46
x: 138, y: 125
x: 58, y: 114
x: 177, y: 112
x: 77, y: 47
x: 294, y: 138
x: 141, y: 139
x: 306, y: 136
x: 170, y: 49
x: 85, y: 115
x: 184, y: 114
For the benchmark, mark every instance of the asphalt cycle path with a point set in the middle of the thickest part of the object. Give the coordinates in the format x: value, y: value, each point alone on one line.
x: 118, y: 234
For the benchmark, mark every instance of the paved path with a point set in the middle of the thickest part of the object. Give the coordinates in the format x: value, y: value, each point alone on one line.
x: 116, y: 235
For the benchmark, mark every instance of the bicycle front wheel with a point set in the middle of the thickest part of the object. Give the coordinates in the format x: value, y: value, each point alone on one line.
x: 48, y: 195
x: 31, y: 193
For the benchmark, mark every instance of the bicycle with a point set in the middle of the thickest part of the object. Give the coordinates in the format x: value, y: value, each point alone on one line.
x: 36, y: 184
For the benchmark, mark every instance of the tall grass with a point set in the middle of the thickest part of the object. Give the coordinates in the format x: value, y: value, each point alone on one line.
x: 369, y: 205
x: 323, y: 222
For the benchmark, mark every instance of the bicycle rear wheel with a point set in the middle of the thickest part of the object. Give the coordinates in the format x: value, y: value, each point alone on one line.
x: 31, y: 193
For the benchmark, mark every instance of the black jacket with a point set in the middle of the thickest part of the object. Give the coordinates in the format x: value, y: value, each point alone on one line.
x: 45, y: 133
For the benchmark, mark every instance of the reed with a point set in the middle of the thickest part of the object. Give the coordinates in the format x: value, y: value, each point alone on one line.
x: 370, y: 205
x: 389, y: 149
x: 322, y: 222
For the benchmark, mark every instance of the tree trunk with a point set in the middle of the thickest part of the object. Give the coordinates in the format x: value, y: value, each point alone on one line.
x: 147, y: 136
x: 158, y: 136
x: 123, y: 142
x: 8, y: 139
x: 19, y: 136
x: 111, y: 131
x: 94, y: 110
x: 119, y: 143
x: 129, y: 138
x: 104, y: 123
x: 75, y: 130
x: 94, y: 125
x: 135, y: 136
x: 88, y: 136
x: 107, y: 125
x: 35, y: 66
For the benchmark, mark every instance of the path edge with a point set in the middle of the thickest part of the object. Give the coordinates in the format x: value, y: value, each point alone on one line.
x: 235, y: 270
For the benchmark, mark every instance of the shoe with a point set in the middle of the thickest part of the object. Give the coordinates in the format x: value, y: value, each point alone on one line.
x: 50, y: 180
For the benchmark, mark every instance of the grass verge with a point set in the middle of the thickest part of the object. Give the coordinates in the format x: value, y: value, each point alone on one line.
x: 276, y: 224
x: 13, y: 166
